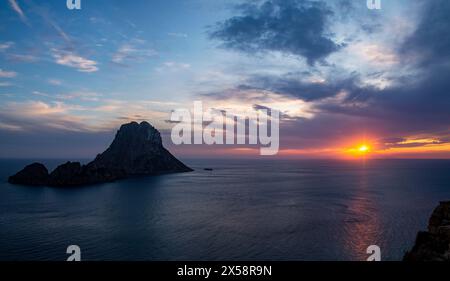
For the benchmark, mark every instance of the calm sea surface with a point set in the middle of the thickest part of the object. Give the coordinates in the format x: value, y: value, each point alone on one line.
x: 243, y: 210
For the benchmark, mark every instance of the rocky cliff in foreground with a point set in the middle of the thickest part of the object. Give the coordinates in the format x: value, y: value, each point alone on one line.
x: 136, y: 150
x: 434, y: 244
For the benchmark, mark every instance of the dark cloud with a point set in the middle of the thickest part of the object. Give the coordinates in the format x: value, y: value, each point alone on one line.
x: 291, y: 85
x: 420, y: 103
x: 431, y: 40
x: 416, y: 106
x: 413, y: 105
x: 296, y: 27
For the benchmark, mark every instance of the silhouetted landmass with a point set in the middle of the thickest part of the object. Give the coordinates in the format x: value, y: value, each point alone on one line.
x: 136, y: 150
x: 33, y: 174
x: 434, y: 244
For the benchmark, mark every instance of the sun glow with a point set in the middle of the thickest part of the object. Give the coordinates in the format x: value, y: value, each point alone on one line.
x: 363, y: 148
x: 359, y: 150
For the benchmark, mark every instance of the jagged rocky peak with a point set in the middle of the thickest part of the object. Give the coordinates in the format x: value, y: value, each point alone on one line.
x: 434, y: 244
x: 133, y: 134
x: 136, y: 150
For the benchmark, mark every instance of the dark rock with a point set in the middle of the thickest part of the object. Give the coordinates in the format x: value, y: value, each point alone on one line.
x: 34, y: 174
x: 136, y: 150
x: 69, y: 173
x: 434, y: 244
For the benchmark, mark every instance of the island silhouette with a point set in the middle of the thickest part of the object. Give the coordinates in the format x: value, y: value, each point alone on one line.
x: 136, y: 150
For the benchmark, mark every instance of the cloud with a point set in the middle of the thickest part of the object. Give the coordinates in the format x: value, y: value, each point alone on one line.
x: 9, y: 127
x: 55, y: 82
x: 122, y: 53
x: 289, y: 26
x: 378, y: 87
x: 5, y: 46
x: 175, y: 34
x: 246, y: 99
x: 7, y: 74
x: 173, y: 66
x: 308, y: 89
x: 31, y: 115
x: 79, y: 96
x: 22, y: 58
x: 373, y: 53
x: 39, y: 115
x: 344, y: 108
x: 129, y: 52
x: 58, y: 29
x: 45, y: 14
x: 15, y: 6
x: 64, y: 114
x: 73, y: 60
x: 70, y: 131
x: 430, y: 41
x: 83, y: 96
x: 410, y: 142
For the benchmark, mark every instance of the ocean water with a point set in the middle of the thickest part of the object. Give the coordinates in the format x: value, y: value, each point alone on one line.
x: 242, y: 210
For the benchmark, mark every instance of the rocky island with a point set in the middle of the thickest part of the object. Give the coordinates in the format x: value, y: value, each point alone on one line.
x: 136, y: 150
x: 434, y: 244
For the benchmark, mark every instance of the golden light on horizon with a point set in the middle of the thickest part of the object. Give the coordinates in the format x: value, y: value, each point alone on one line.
x: 359, y: 150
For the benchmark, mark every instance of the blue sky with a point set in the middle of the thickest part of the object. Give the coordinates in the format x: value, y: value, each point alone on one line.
x: 336, y: 69
x: 139, y: 51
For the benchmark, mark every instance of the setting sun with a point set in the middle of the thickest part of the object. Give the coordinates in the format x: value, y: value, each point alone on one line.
x: 363, y: 148
x: 359, y: 150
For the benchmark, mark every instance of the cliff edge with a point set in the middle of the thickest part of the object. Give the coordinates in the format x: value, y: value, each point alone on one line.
x: 434, y: 244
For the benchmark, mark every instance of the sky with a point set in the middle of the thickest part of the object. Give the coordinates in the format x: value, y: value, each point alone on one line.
x: 342, y: 75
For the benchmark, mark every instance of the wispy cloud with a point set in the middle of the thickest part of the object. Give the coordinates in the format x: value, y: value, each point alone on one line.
x: 9, y: 127
x: 46, y: 16
x: 15, y: 6
x: 36, y: 115
x: 83, y: 96
x: 58, y: 29
x: 73, y: 60
x: 172, y: 66
x: 7, y: 74
x: 79, y: 96
x: 22, y: 58
x: 175, y: 34
x: 5, y: 84
x: 123, y: 52
x: 130, y: 52
x: 55, y: 82
x: 242, y: 100
x: 5, y: 46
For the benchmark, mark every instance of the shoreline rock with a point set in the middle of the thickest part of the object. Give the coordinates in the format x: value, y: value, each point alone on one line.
x: 136, y: 150
x: 434, y: 244
x: 33, y: 174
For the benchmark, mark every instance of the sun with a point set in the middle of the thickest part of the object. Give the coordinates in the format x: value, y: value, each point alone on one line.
x: 359, y: 150
x: 363, y: 148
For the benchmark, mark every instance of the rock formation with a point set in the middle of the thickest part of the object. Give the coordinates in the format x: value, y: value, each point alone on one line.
x: 136, y: 150
x: 33, y: 174
x: 434, y: 244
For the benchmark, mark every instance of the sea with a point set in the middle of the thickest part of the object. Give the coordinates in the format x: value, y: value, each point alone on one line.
x: 274, y: 210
